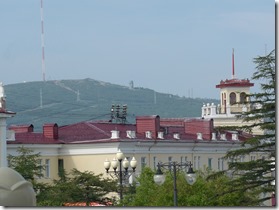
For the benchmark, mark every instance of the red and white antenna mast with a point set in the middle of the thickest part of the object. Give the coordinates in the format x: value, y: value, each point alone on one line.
x: 43, y: 43
x: 233, y: 63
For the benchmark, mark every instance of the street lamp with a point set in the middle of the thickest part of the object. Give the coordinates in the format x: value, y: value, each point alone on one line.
x: 120, y: 161
x: 172, y: 166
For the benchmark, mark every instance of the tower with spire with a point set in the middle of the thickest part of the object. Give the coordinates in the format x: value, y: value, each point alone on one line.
x: 233, y: 93
x: 233, y: 101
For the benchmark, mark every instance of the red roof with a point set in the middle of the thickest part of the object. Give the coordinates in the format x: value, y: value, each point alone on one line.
x: 235, y: 83
x: 33, y: 138
x: 96, y: 131
x: 92, y: 131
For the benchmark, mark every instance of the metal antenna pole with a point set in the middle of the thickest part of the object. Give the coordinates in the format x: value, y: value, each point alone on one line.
x: 43, y: 44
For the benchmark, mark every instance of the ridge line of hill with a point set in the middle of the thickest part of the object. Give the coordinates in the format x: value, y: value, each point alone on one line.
x: 42, y: 102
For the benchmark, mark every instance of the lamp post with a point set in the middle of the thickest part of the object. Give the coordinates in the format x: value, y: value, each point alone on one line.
x: 172, y: 166
x: 117, y: 163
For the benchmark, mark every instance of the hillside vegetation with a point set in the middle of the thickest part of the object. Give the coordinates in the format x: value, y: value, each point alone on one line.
x: 70, y: 101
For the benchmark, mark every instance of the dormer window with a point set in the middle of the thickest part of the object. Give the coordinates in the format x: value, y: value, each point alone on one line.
x: 148, y: 134
x: 161, y: 135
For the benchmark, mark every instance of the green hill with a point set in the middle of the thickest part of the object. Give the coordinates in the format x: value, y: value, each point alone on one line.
x: 69, y: 101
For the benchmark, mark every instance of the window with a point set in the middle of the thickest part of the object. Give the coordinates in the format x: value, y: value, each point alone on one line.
x: 143, y: 162
x: 47, y: 165
x: 232, y: 98
x: 40, y: 163
x: 170, y: 159
x: 220, y: 164
x: 243, y: 97
x: 195, y: 166
x: 60, y: 167
x: 209, y: 163
x: 242, y: 157
x: 199, y: 162
x: 253, y: 157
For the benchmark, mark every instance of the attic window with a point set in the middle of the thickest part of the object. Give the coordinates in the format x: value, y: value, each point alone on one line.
x: 199, y: 136
x: 176, y: 135
x: 213, y: 136
x: 131, y: 134
x: 223, y: 136
x: 114, y: 134
x: 235, y: 137
x: 161, y: 135
x: 148, y: 134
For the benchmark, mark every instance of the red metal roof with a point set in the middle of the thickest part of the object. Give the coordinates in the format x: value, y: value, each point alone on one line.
x: 235, y: 83
x: 33, y: 138
x: 92, y: 131
x: 96, y: 131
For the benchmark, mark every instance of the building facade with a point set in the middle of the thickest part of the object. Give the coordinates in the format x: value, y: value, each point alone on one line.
x: 86, y: 145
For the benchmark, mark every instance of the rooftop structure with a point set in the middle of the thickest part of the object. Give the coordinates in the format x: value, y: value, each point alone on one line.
x: 147, y: 128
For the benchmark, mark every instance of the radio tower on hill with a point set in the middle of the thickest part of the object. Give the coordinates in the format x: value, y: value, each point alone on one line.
x: 43, y: 44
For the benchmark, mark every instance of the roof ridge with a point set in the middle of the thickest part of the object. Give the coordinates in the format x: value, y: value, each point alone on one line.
x: 96, y: 128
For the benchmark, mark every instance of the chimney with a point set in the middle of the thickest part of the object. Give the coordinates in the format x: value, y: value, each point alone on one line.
x: 50, y: 131
x: 148, y: 123
x: 204, y: 126
x: 22, y: 128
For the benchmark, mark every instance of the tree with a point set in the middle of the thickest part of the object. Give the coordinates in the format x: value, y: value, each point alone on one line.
x: 148, y: 193
x: 257, y: 174
x: 28, y: 165
x: 77, y: 187
x: 74, y: 187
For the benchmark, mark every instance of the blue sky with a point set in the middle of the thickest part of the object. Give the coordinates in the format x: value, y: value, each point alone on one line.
x: 180, y: 47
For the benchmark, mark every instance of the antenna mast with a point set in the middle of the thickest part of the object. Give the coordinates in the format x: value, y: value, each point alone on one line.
x: 233, y: 64
x: 43, y: 44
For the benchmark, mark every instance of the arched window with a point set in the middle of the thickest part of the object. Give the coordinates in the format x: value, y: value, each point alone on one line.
x: 232, y: 98
x: 243, y: 97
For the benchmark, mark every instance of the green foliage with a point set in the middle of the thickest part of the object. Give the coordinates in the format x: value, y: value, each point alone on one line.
x: 60, y: 104
x: 203, y: 193
x: 28, y: 165
x: 77, y: 187
x: 257, y: 175
x: 74, y: 187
